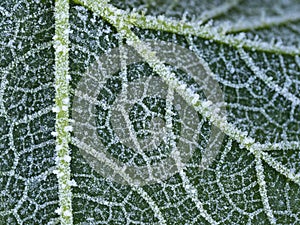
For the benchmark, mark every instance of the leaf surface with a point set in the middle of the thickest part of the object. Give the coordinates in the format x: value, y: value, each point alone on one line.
x: 251, y: 49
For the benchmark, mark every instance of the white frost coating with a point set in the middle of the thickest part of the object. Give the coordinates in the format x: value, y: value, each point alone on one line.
x: 56, y: 109
x: 54, y: 134
x: 61, y: 45
x: 68, y: 77
x: 120, y: 171
x: 244, y: 24
x: 206, y: 104
x: 66, y: 100
x: 65, y: 108
x: 268, y: 80
x: 219, y: 179
x: 220, y: 9
x: 58, y: 211
x: 195, y: 99
x: 60, y: 175
x: 280, y: 168
x: 68, y: 128
x: 61, y: 48
x: 67, y: 158
x: 241, y: 137
x: 72, y: 183
x: 207, y: 32
x: 220, y: 122
x: 248, y: 141
x: 58, y: 147
x: 191, y: 191
x: 263, y: 189
x: 67, y: 213
x: 284, y: 145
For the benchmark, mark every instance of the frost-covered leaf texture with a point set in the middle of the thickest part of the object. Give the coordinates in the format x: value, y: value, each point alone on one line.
x: 252, y: 49
x: 28, y: 189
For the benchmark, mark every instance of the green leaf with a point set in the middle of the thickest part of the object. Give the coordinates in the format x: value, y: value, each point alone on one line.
x: 149, y: 112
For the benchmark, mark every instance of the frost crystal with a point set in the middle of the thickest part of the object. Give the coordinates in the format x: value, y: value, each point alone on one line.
x: 206, y: 104
x: 195, y: 99
x: 56, y: 109
x: 64, y: 108
x: 72, y: 183
x: 67, y: 213
x: 58, y: 211
x: 67, y: 158
x: 68, y: 128
x: 68, y: 77
x: 66, y: 101
x: 54, y: 134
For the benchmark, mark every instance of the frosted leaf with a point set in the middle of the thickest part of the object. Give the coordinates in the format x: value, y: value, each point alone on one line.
x: 250, y: 49
x: 28, y: 189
